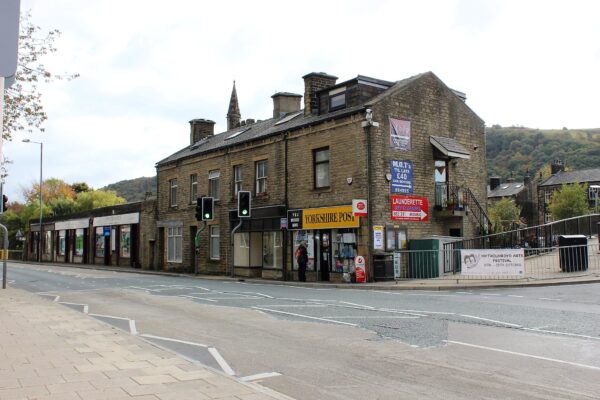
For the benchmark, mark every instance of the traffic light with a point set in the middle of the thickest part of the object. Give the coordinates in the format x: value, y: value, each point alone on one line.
x: 207, y: 208
x: 199, y: 209
x: 4, y: 202
x: 244, y: 200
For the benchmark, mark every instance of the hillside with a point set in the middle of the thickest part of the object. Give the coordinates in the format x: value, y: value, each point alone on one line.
x: 134, y: 189
x: 518, y: 149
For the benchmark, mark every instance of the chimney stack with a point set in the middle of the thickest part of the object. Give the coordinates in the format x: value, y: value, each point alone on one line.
x: 494, y: 182
x: 200, y: 129
x: 314, y: 82
x: 285, y: 103
x: 556, y: 166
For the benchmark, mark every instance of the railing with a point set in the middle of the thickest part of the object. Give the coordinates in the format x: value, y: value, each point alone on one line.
x: 452, y: 197
x: 539, y: 263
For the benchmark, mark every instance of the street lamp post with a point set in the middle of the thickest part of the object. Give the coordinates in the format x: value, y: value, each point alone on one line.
x: 595, y: 187
x: 41, y: 209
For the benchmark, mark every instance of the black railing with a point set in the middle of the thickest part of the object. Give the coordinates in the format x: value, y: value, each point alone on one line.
x: 457, y: 198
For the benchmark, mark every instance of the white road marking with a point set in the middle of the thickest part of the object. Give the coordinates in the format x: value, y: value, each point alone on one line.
x: 197, y: 298
x: 524, y: 355
x: 294, y: 305
x: 56, y: 299
x: 491, y: 294
x: 109, y: 316
x: 464, y: 292
x: 515, y: 296
x: 390, y: 310
x: 141, y: 288
x: 251, y: 294
x: 132, y: 328
x: 549, y: 299
x: 202, y: 288
x: 491, y: 320
x: 304, y: 316
x: 221, y: 361
x: 561, y: 333
x: 358, y: 305
x: 173, y: 340
x: 257, y: 377
x: 371, y: 316
x: 86, y: 308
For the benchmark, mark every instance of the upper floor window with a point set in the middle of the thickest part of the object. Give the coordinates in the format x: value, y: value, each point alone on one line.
x: 237, y: 179
x: 337, y: 98
x: 213, y: 183
x: 193, y: 188
x: 321, y: 167
x: 261, y: 176
x: 173, y: 193
x: 547, y: 196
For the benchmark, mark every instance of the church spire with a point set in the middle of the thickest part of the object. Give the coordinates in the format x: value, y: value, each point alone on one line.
x: 233, y: 114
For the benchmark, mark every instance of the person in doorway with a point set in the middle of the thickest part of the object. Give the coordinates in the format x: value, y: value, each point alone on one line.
x: 302, y: 258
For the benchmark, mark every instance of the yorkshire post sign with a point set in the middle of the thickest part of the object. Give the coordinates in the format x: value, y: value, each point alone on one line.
x: 402, y: 176
x: 323, y: 218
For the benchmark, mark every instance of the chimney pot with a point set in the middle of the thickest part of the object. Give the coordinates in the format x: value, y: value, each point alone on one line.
x: 285, y: 103
x: 314, y: 82
x: 200, y: 129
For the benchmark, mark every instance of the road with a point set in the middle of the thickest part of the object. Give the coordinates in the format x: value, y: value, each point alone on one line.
x: 327, y: 343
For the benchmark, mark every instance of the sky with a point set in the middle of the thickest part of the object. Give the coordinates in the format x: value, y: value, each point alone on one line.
x: 148, y: 67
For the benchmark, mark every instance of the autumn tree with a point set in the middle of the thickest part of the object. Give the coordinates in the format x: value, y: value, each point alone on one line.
x: 23, y: 107
x: 569, y: 201
x: 96, y: 199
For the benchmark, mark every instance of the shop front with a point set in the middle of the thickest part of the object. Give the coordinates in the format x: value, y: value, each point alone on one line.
x: 331, y: 235
x: 115, y: 240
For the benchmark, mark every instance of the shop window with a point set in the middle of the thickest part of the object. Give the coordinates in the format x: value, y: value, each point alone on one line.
x: 125, y: 247
x: 241, y: 249
x: 62, y: 243
x: 344, y: 250
x: 215, y: 240
x: 306, y: 236
x: 321, y: 167
x: 193, y: 188
x: 48, y: 242
x: 237, y: 179
x: 99, y: 248
x: 173, y: 193
x: 174, y: 244
x: 261, y: 176
x: 213, y: 183
x: 79, y: 242
x: 272, y: 251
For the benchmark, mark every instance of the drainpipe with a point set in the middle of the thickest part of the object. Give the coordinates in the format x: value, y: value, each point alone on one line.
x: 367, y: 126
x: 285, y: 202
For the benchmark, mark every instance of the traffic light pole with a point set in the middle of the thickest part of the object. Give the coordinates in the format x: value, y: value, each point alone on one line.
x: 4, y: 255
x: 232, y: 246
x: 197, y: 247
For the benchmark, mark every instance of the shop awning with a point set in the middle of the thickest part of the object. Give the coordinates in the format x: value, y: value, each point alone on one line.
x: 449, y: 147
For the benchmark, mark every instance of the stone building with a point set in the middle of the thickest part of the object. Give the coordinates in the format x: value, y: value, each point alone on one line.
x: 411, y: 150
x: 559, y: 177
x: 524, y: 194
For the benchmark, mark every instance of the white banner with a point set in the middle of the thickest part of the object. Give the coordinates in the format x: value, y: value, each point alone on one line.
x: 493, y: 262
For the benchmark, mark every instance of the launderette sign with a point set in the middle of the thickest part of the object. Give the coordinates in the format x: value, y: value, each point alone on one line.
x: 323, y: 218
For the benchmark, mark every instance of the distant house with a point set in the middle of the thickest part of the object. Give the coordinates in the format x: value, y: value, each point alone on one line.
x: 560, y: 177
x: 524, y: 194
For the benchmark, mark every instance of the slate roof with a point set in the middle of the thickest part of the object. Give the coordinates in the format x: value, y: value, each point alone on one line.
x: 266, y: 128
x: 451, y: 145
x: 508, y: 189
x: 581, y: 176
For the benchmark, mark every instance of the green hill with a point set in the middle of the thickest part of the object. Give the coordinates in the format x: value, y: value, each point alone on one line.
x: 134, y: 189
x: 518, y: 150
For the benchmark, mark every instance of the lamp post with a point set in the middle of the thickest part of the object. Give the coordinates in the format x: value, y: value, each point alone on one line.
x: 41, y: 209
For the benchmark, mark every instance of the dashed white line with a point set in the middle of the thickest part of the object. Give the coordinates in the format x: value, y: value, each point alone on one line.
x: 221, y: 361
x: 166, y: 339
x: 515, y: 296
x: 524, y: 355
x: 371, y: 316
x: 132, y: 328
x: 548, y: 299
x: 358, y: 305
x: 491, y: 320
x: 561, y: 333
x: 303, y: 316
x: 256, y: 377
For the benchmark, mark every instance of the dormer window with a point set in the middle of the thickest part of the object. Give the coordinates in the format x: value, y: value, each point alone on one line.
x: 337, y: 98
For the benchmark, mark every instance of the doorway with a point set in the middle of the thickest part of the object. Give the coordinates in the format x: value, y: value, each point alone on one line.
x: 324, y: 253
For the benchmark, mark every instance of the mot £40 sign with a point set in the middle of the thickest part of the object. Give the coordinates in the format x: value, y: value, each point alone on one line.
x: 402, y: 176
x: 410, y: 208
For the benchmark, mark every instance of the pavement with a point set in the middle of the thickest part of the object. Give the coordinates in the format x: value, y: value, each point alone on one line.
x: 51, y: 352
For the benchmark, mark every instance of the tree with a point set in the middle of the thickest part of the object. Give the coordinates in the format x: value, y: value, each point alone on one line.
x: 23, y: 106
x: 95, y: 199
x: 503, y: 214
x: 569, y: 201
x: 53, y: 189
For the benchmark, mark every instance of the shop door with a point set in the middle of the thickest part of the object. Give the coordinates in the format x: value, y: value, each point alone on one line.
x: 325, y: 254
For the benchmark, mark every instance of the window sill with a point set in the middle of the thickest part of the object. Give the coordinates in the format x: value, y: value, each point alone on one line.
x: 321, y: 189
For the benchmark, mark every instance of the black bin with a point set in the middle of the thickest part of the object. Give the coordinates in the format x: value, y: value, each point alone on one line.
x: 573, y: 253
x: 383, y: 265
